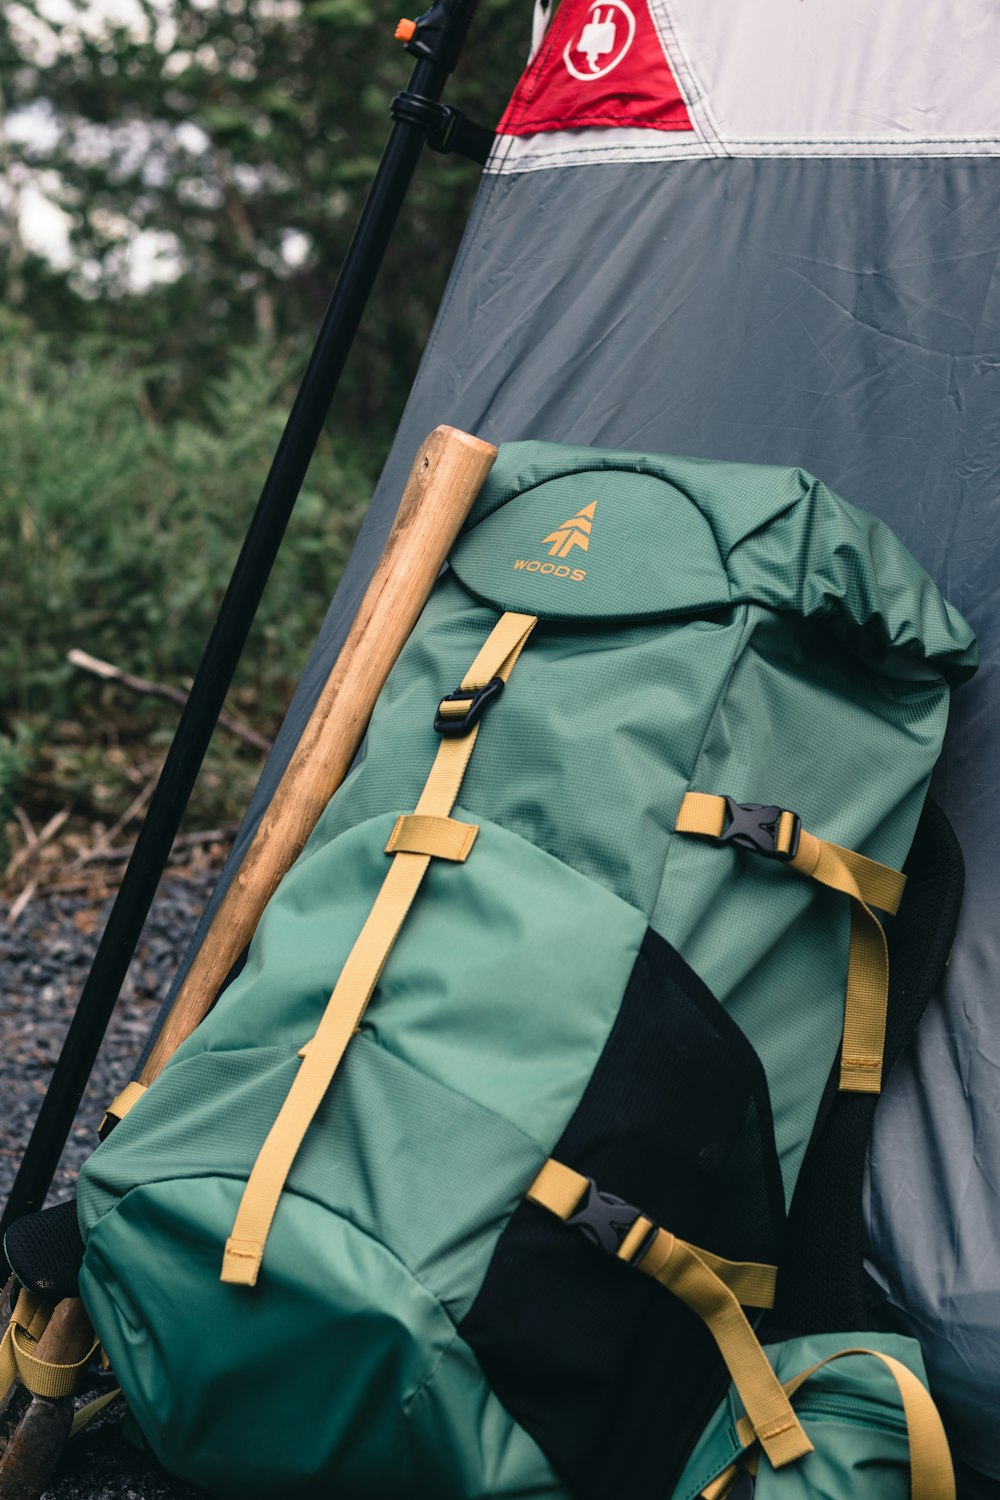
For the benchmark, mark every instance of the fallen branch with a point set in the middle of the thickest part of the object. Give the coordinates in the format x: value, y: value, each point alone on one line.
x: 61, y: 886
x: 135, y: 807
x: 22, y: 901
x: 49, y: 832
x: 111, y: 673
x: 182, y: 841
x: 27, y: 827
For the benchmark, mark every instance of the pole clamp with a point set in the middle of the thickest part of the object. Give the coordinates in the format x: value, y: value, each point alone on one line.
x: 446, y: 128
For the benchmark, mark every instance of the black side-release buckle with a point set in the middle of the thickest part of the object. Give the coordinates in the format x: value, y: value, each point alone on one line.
x: 453, y: 725
x: 605, y: 1220
x: 753, y: 826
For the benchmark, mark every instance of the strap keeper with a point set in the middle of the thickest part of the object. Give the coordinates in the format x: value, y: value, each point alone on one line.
x: 440, y: 838
x: 119, y: 1108
x: 461, y: 711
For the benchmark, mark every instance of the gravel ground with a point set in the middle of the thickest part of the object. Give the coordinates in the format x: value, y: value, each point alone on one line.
x: 44, y: 960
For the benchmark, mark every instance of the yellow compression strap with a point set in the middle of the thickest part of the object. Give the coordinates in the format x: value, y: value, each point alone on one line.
x: 721, y: 1487
x: 867, y: 884
x: 87, y: 1414
x: 931, y: 1474
x: 713, y: 1288
x: 415, y: 840
x: 18, y: 1360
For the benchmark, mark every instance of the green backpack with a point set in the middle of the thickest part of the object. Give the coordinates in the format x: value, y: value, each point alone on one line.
x: 597, y: 910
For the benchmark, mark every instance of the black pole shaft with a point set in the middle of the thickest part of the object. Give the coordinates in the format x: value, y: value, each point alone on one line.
x: 225, y: 645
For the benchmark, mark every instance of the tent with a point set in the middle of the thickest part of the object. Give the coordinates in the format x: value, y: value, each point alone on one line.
x: 769, y: 233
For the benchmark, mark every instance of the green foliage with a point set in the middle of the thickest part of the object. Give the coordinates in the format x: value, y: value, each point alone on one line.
x: 234, y: 129
x: 13, y: 762
x: 122, y: 530
x: 138, y: 417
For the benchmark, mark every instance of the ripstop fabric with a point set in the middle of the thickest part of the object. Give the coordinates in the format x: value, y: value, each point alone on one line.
x: 699, y: 625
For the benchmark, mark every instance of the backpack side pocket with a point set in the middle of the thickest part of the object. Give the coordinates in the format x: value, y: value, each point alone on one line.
x: 875, y: 1430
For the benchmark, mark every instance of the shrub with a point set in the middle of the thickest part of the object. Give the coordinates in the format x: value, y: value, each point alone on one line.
x: 121, y: 530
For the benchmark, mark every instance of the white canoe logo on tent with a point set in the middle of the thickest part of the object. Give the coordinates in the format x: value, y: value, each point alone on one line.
x: 607, y: 35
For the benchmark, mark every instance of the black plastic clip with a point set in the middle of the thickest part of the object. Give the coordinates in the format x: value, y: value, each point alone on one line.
x: 439, y: 34
x: 754, y: 826
x: 478, y: 700
x: 606, y: 1220
x: 446, y: 128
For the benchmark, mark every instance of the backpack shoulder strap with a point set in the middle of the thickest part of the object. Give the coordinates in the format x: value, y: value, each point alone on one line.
x: 822, y: 1286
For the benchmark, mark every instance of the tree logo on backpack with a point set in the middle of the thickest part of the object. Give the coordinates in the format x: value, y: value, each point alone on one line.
x: 572, y: 533
x: 603, y: 42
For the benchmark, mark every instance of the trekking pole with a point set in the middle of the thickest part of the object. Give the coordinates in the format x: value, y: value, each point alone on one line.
x: 435, y: 39
x: 445, y: 479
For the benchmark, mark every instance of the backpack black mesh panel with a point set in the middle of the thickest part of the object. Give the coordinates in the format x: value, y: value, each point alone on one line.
x: 611, y: 1374
x: 45, y: 1251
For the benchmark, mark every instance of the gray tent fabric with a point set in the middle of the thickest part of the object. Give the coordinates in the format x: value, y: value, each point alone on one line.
x: 817, y: 300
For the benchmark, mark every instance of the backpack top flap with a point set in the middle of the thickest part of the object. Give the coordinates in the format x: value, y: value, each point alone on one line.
x: 582, y: 533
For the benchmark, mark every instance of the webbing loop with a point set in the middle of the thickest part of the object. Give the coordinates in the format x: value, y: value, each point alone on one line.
x: 322, y: 1054
x: 867, y: 883
x: 18, y: 1360
x: 119, y: 1108
x: 712, y: 1287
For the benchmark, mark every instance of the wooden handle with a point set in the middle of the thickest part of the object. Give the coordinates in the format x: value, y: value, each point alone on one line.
x: 446, y: 477
x: 35, y: 1441
x: 68, y: 1334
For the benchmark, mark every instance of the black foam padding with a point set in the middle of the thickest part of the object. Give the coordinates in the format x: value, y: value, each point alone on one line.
x: 822, y: 1287
x: 612, y: 1377
x: 45, y: 1251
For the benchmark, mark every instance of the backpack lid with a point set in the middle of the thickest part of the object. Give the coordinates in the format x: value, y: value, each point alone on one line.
x: 570, y: 533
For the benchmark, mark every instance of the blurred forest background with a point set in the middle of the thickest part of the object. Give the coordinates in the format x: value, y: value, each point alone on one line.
x: 208, y: 160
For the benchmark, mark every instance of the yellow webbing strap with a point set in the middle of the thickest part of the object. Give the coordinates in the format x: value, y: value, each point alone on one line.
x: 708, y: 1285
x: 322, y: 1054
x: 721, y: 1486
x: 931, y: 1474
x: 868, y: 884
x: 120, y: 1106
x: 18, y: 1360
x: 87, y: 1414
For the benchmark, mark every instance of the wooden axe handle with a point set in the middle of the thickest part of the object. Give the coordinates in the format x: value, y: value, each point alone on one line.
x: 446, y: 477
x: 68, y: 1334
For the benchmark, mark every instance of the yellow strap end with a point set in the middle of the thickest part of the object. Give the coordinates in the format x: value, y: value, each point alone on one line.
x: 784, y: 1442
x: 241, y: 1262
x: 860, y: 1075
